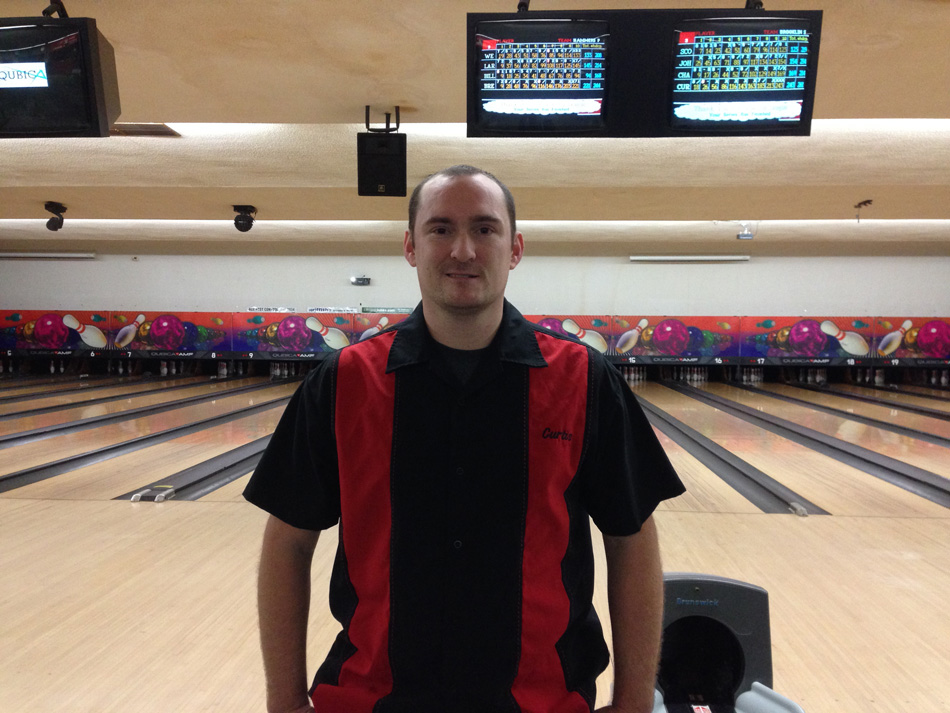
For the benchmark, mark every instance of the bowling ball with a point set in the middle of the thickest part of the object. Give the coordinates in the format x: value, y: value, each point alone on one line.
x: 671, y: 337
x: 695, y: 339
x: 293, y: 333
x: 191, y: 335
x: 554, y: 325
x: 910, y: 339
x: 50, y: 332
x: 933, y: 339
x: 647, y: 336
x: 143, y: 332
x: 805, y: 338
x: 167, y: 332
x: 781, y: 337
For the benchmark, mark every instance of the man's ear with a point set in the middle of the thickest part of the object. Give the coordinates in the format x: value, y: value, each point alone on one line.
x: 517, y: 251
x: 408, y: 249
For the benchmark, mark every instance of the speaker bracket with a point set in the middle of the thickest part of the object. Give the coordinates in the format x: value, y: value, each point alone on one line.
x: 389, y: 129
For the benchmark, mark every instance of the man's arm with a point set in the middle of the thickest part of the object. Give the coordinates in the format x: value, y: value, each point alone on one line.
x: 635, y: 596
x: 283, y: 600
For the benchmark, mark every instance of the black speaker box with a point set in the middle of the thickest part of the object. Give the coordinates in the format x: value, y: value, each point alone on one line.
x: 381, y: 164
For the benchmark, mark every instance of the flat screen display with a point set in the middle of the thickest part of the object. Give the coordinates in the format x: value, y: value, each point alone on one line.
x: 49, y: 78
x: 744, y: 74
x: 541, y: 75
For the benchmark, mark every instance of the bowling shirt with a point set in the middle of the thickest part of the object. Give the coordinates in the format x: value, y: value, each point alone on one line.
x: 464, y: 574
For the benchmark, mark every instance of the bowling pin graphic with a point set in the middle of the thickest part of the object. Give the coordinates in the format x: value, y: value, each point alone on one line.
x: 89, y: 333
x: 127, y: 333
x: 628, y: 340
x: 851, y: 342
x: 383, y: 321
x: 893, y: 340
x: 593, y: 339
x: 334, y: 338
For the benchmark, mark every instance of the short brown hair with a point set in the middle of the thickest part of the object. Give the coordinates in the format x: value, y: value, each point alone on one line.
x: 452, y: 172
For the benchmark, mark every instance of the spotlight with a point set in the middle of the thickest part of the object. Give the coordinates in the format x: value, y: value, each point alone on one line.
x: 243, y: 220
x: 57, y: 209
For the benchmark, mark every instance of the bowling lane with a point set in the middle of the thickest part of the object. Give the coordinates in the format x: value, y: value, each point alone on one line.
x: 834, y: 486
x: 116, y: 388
x: 52, y: 388
x: 117, y: 476
x: 10, y: 384
x: 705, y: 491
x: 51, y: 449
x: 922, y: 454
x: 927, y: 424
x: 153, y: 398
x: 924, y: 391
x: 908, y: 399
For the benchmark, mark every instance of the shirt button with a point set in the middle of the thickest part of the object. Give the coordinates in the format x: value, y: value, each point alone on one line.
x: 457, y: 544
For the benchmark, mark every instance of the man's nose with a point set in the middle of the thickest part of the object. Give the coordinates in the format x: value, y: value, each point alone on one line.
x: 463, y: 249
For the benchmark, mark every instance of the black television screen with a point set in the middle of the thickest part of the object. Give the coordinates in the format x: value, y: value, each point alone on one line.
x: 744, y: 74
x: 57, y: 78
x: 616, y: 73
x: 545, y: 76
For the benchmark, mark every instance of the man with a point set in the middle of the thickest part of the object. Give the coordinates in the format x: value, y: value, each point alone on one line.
x: 463, y: 453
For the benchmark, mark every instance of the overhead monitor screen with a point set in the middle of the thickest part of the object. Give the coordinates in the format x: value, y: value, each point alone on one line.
x: 42, y: 83
x: 747, y: 74
x: 541, y: 75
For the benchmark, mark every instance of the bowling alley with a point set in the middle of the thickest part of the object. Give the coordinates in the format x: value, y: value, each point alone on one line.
x: 734, y: 212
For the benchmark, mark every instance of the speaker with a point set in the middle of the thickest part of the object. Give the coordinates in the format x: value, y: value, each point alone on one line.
x: 381, y: 164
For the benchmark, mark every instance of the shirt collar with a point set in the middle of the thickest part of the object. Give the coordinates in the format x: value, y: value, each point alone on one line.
x: 514, y: 342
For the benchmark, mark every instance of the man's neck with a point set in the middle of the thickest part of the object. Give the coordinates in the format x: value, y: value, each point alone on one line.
x: 462, y: 329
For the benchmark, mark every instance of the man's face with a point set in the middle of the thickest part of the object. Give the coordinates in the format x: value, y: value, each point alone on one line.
x: 461, y: 244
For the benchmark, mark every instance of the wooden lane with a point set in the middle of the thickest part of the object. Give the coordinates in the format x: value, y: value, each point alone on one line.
x: 834, y: 486
x: 28, y: 455
x: 123, y: 605
x: 133, y: 471
x: 908, y: 419
x: 50, y: 388
x: 908, y: 399
x: 922, y: 454
x: 46, y: 400
x: 111, y: 596
x: 154, y: 398
x: 9, y: 384
x: 705, y: 491
x: 924, y: 391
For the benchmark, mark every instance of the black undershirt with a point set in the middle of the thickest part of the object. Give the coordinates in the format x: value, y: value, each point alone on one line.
x: 460, y: 363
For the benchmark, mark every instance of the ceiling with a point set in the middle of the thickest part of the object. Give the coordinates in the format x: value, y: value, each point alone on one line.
x: 268, y: 96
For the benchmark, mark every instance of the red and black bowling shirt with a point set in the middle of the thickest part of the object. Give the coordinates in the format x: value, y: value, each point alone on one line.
x: 464, y: 574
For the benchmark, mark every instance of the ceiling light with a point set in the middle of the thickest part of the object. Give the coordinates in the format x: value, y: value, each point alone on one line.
x: 689, y: 258
x: 47, y: 256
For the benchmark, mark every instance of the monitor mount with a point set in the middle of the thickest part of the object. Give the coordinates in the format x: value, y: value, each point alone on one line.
x: 388, y: 129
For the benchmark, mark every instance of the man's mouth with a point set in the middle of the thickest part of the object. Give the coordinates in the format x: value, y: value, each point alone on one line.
x: 461, y: 275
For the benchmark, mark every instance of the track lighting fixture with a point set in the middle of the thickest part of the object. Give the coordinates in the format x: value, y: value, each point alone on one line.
x: 244, y: 220
x: 57, y: 209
